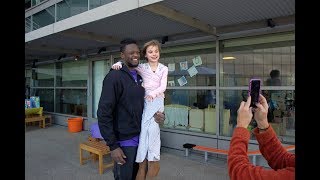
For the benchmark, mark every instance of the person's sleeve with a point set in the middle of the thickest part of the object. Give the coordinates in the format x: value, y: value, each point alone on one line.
x: 140, y: 69
x: 239, y: 166
x: 106, y: 107
x: 163, y: 83
x: 273, y: 151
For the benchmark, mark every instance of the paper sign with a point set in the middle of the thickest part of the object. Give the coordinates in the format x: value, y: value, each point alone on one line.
x: 197, y: 61
x: 171, y: 83
x: 182, y: 81
x: 172, y: 67
x: 192, y: 71
x: 184, y: 65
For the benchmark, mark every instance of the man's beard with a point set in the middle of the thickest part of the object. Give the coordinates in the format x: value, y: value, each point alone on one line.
x: 132, y: 65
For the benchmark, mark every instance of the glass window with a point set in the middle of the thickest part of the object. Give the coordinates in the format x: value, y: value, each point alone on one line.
x: 191, y: 110
x: 97, y: 3
x: 271, y: 62
x: 43, y: 76
x: 27, y: 76
x: 46, y: 98
x: 68, y: 8
x: 229, y: 104
x: 43, y: 18
x: 27, y: 79
x: 281, y: 112
x: 27, y: 24
x: 35, y: 2
x: 191, y: 65
x: 27, y: 4
x: 191, y: 70
x: 99, y: 71
x: 71, y: 101
x: 72, y: 74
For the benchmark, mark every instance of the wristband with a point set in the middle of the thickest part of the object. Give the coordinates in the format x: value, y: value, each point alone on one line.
x: 264, y: 128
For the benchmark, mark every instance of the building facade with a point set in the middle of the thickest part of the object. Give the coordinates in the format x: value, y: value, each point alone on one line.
x: 211, y: 55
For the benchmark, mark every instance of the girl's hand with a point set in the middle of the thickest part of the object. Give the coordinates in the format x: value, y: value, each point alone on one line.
x: 117, y: 66
x: 148, y: 98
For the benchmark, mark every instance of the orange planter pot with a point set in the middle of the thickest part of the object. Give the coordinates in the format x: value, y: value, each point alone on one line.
x: 75, y: 124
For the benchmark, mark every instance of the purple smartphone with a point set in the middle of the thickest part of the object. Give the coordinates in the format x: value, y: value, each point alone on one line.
x: 254, y: 91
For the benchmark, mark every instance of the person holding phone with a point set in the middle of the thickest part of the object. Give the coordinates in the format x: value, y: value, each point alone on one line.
x: 239, y: 166
x: 254, y: 91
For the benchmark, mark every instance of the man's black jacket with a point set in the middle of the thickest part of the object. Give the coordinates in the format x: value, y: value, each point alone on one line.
x: 120, y: 107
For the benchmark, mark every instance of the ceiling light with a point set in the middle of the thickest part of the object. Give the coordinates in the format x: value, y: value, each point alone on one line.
x: 228, y: 58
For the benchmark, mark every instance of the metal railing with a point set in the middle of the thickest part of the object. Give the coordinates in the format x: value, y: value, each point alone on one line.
x: 30, y: 26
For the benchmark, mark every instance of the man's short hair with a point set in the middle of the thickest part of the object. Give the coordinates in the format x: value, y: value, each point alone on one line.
x: 125, y: 42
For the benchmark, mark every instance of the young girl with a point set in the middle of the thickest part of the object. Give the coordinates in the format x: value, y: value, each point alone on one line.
x: 154, y: 75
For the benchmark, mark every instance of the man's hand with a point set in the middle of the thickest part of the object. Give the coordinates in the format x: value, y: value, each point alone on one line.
x: 244, y: 114
x: 159, y: 117
x: 118, y: 156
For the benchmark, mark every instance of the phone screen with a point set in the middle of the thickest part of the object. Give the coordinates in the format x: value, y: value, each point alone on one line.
x: 254, y: 91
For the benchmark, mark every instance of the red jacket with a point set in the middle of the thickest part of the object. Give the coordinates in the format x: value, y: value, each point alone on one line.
x: 239, y: 167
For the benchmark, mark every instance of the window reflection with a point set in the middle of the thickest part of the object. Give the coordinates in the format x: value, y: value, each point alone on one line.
x: 27, y: 24
x: 281, y: 112
x: 229, y: 104
x: 72, y: 74
x: 43, y: 18
x: 68, y: 8
x: 42, y: 76
x: 251, y: 62
x: 100, y: 69
x: 191, y: 110
x: 46, y: 98
x: 72, y: 101
x: 36, y: 2
x: 97, y: 3
x: 203, y: 73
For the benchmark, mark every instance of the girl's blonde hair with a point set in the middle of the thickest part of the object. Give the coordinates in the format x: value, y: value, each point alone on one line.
x: 150, y: 43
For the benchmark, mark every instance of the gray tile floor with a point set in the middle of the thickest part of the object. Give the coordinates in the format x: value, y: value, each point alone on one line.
x: 53, y: 153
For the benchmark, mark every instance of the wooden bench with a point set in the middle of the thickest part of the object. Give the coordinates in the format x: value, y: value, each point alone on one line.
x: 206, y: 150
x: 44, y: 120
x: 49, y: 118
x: 96, y: 149
x: 35, y: 118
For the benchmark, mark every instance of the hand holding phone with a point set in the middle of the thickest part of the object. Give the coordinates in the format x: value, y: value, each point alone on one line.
x: 254, y: 91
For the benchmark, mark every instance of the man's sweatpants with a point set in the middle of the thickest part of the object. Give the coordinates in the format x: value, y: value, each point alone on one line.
x: 127, y: 171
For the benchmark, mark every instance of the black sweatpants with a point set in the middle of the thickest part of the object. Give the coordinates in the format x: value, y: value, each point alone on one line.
x: 129, y: 170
